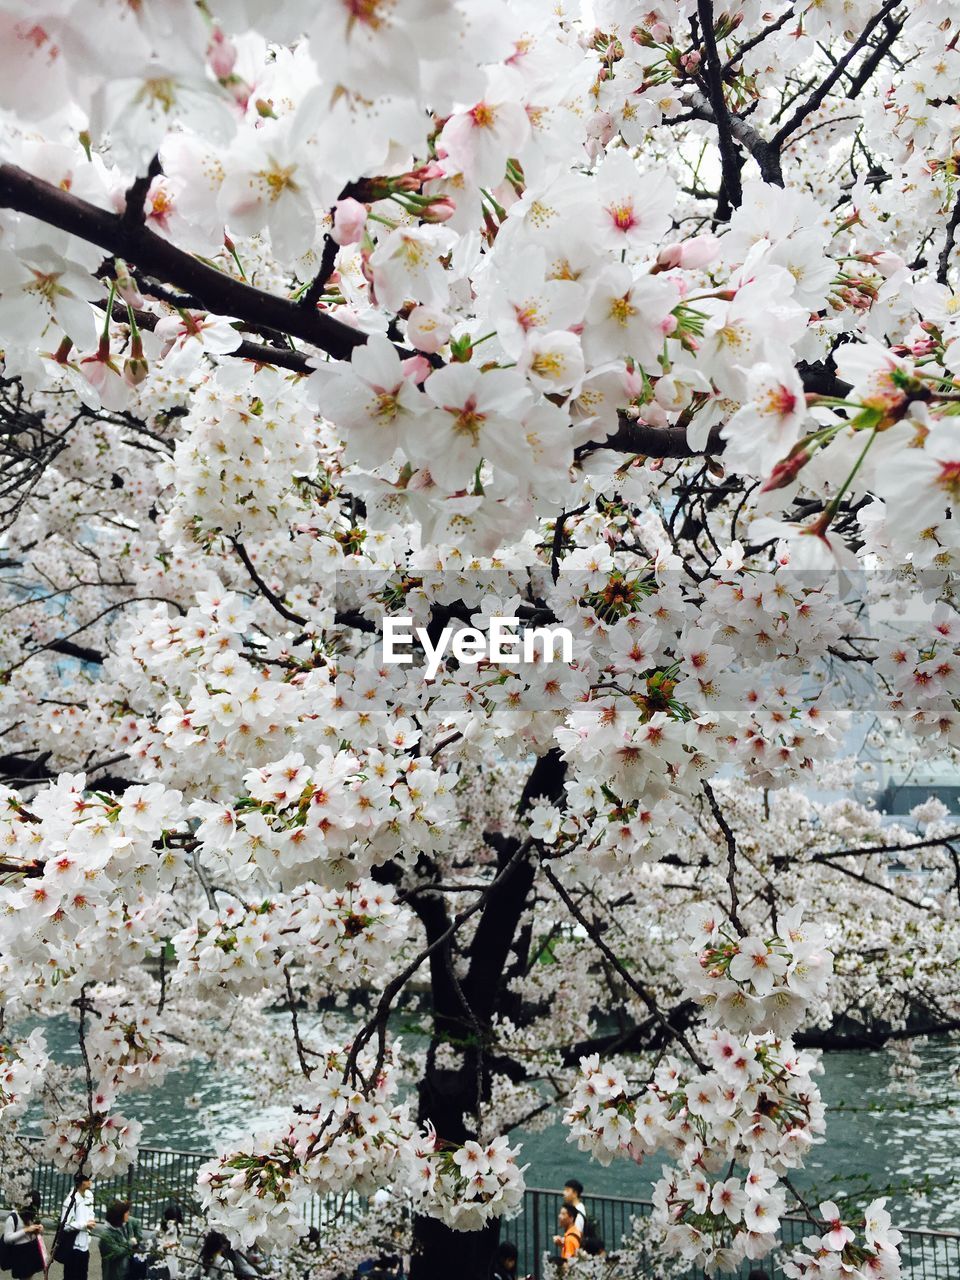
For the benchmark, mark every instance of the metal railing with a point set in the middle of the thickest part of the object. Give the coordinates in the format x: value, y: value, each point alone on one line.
x: 926, y: 1254
x: 162, y: 1175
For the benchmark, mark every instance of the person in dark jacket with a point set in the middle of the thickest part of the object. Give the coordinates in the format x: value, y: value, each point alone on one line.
x: 23, y: 1236
x: 118, y: 1242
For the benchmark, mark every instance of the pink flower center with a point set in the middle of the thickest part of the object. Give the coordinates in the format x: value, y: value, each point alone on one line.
x: 949, y: 479
x: 622, y: 215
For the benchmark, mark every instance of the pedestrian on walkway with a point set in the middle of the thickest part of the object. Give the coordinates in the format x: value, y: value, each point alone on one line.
x: 573, y: 1199
x: 118, y: 1242
x: 23, y: 1238
x: 77, y: 1220
x: 569, y: 1237
x: 168, y: 1239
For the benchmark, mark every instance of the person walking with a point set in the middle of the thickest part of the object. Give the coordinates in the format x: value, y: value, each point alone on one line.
x: 573, y: 1199
x: 118, y: 1242
x: 77, y: 1220
x: 23, y: 1238
x: 168, y: 1239
x: 569, y: 1237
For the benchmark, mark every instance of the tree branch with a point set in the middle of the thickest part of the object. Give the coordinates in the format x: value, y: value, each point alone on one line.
x: 932, y: 843
x: 765, y: 153
x: 826, y: 85
x: 220, y: 293
x: 637, y: 988
x: 270, y: 596
x: 870, y: 64
x: 137, y: 194
x: 943, y: 264
x: 731, y: 842
x: 729, y: 160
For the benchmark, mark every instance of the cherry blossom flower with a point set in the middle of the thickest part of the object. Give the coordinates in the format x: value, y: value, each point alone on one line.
x: 634, y: 207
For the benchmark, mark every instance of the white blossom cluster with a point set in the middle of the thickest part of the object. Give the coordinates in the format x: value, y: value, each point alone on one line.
x: 314, y: 315
x: 344, y: 935
x: 357, y: 1140
x: 756, y: 984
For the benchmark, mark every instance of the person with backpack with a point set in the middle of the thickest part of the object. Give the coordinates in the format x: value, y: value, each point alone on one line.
x: 588, y: 1226
x: 22, y: 1252
x: 569, y: 1239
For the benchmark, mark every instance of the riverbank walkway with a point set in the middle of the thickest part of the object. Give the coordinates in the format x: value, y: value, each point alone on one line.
x: 163, y: 1175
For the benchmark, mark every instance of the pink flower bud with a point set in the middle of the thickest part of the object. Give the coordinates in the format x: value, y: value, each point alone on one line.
x: 633, y: 382
x: 221, y: 55
x: 349, y: 220
x: 690, y: 61
x: 428, y: 329
x: 127, y: 286
x: 429, y: 172
x: 696, y: 252
x: 601, y: 126
x: 438, y: 210
x: 416, y: 369
x: 668, y: 324
x: 786, y: 470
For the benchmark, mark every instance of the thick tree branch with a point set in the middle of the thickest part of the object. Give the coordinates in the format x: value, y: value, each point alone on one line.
x: 729, y: 160
x: 220, y: 293
x: 505, y: 904
x: 766, y: 155
x: 71, y: 650
x: 943, y: 264
x: 137, y: 194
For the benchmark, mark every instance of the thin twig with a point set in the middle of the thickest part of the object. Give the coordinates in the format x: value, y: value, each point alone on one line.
x: 731, y: 856
x: 291, y: 1001
x: 826, y: 85
x: 637, y: 988
x: 270, y: 596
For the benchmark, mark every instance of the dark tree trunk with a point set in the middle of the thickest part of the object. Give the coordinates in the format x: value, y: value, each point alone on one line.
x: 453, y: 1255
x: 438, y: 1251
x: 462, y: 1017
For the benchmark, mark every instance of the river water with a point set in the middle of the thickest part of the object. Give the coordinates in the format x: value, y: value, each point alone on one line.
x: 882, y: 1133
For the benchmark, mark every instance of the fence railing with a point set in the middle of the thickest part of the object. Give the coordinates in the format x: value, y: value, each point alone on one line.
x: 926, y: 1254
x: 162, y: 1175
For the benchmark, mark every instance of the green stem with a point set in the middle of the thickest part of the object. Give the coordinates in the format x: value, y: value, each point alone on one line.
x: 109, y: 316
x: 834, y: 505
